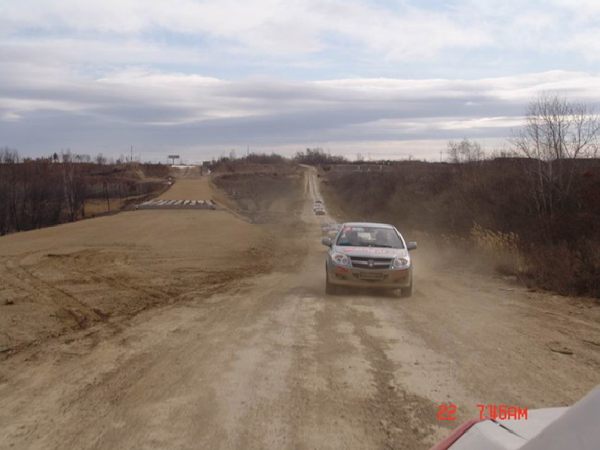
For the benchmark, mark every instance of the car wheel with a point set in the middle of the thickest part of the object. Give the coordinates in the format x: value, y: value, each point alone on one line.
x: 406, y: 292
x: 330, y: 289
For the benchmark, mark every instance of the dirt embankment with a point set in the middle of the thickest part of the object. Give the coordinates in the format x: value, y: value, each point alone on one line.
x: 241, y: 166
x: 275, y: 200
x: 264, y: 197
x: 76, y: 276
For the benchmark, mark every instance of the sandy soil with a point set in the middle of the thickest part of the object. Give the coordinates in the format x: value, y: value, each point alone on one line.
x: 72, y: 276
x: 270, y: 361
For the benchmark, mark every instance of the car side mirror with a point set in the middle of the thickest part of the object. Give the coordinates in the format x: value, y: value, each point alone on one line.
x: 411, y: 246
x: 327, y: 242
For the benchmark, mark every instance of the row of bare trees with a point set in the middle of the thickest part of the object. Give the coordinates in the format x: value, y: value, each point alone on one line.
x: 36, y: 193
x: 557, y: 132
x: 39, y: 193
x: 556, y: 142
x: 316, y: 156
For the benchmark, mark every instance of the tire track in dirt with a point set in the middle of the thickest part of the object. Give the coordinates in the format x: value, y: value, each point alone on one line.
x: 65, y: 302
x: 403, y: 413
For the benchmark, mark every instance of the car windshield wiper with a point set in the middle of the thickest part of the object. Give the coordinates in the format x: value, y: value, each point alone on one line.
x: 380, y: 245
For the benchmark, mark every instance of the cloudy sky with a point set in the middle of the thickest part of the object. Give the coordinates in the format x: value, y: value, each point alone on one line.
x: 389, y: 78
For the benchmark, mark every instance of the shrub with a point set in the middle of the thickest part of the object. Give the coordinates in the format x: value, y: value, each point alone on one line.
x: 487, y: 203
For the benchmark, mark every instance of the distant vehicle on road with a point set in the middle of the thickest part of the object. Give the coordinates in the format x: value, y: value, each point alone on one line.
x: 330, y: 227
x: 372, y: 255
x: 320, y: 212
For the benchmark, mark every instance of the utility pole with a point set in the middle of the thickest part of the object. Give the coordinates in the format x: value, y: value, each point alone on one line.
x: 131, y: 158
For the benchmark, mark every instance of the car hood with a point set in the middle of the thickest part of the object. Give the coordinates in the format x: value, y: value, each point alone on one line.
x: 371, y: 252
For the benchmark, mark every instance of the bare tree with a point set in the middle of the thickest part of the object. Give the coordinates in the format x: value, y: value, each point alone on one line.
x: 555, y: 133
x: 7, y: 158
x: 465, y: 151
x: 100, y: 159
x: 74, y: 186
x: 556, y: 129
x: 314, y: 156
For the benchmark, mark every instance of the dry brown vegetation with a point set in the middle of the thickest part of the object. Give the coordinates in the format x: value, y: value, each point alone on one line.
x: 490, y: 205
x: 264, y: 194
x: 36, y: 193
x: 251, y: 163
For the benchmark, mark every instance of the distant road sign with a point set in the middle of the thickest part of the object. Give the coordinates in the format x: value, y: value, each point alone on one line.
x: 173, y: 156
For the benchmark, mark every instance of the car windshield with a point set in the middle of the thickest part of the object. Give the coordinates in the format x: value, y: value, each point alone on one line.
x: 369, y: 237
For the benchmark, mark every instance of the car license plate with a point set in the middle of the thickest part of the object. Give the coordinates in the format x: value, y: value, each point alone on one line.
x: 371, y: 276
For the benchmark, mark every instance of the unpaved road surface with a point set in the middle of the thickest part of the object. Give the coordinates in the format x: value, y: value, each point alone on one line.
x: 267, y: 360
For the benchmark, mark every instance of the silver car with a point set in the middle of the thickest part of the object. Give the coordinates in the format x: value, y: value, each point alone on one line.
x: 372, y: 255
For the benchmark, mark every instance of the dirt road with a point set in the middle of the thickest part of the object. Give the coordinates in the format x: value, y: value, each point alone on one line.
x: 270, y: 361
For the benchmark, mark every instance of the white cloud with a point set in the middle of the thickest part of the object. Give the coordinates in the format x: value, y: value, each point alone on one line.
x: 587, y: 42
x: 293, y: 28
x: 301, y: 32
x: 517, y: 88
x: 73, y: 69
x: 98, y: 52
x: 271, y: 27
x: 583, y: 8
x: 8, y: 116
x: 144, y: 78
x: 178, y: 110
x: 483, y: 122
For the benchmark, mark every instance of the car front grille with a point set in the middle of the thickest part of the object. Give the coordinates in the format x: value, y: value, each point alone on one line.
x: 360, y: 262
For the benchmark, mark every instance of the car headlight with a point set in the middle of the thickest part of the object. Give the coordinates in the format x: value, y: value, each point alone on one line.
x: 401, y: 263
x: 340, y: 259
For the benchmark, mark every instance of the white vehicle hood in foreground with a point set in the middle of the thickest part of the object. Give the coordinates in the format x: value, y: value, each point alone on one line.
x: 574, y: 428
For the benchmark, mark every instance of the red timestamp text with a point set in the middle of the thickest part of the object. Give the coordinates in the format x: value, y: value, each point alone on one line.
x: 446, y: 412
x: 501, y: 412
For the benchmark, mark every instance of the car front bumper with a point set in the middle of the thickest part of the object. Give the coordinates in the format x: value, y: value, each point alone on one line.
x: 369, y: 278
